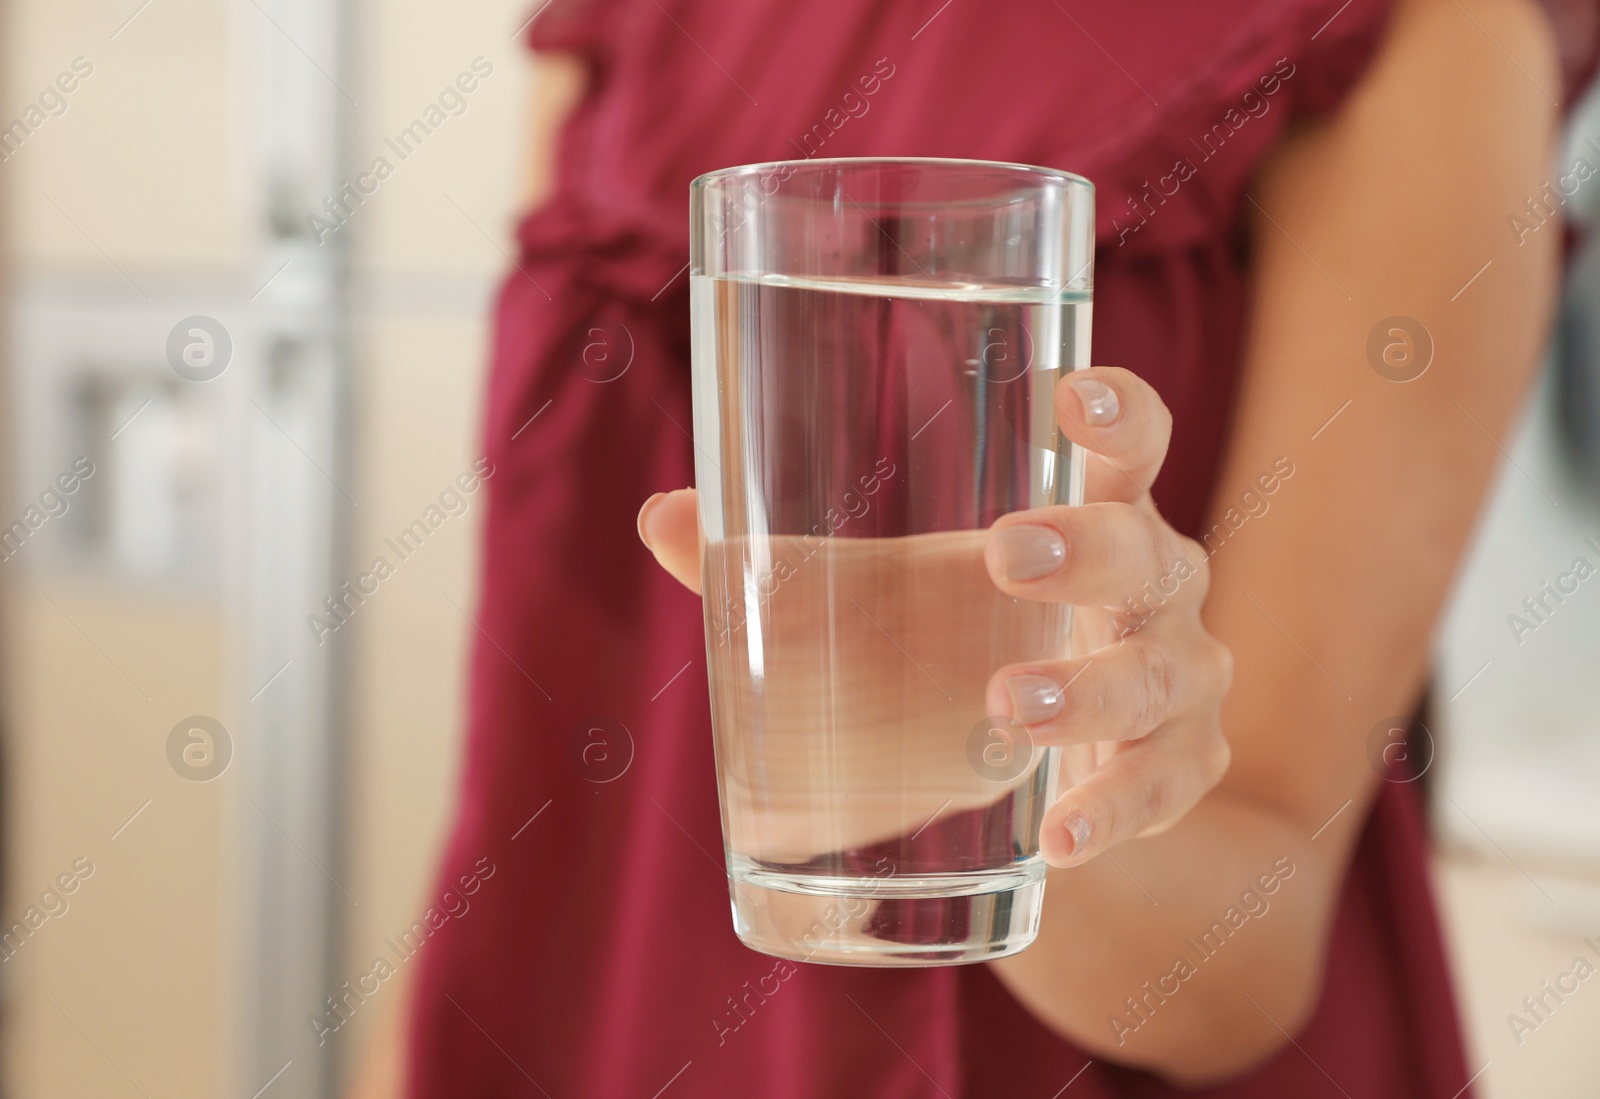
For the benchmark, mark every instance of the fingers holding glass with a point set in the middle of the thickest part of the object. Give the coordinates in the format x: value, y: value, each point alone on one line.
x: 1118, y: 693
x: 670, y: 527
x: 1095, y: 555
x: 1136, y: 791
x: 1122, y: 422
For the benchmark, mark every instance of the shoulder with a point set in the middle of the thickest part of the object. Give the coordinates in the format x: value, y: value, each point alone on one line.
x: 1445, y: 48
x: 1453, y: 85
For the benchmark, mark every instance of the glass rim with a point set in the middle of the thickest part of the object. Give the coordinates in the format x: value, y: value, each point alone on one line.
x: 1059, y: 175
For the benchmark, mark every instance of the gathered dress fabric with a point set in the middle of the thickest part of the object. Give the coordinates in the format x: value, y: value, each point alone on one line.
x: 599, y: 959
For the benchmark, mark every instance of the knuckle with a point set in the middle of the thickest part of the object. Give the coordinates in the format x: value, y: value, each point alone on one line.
x: 1194, y: 555
x: 1154, y: 688
x: 1119, y: 542
x: 1098, y: 701
x: 1076, y: 699
x: 1151, y: 802
x: 1222, y: 666
x: 1103, y: 820
x: 1160, y: 414
x: 1157, y: 802
x: 1137, y: 390
x: 1157, y: 434
x: 1157, y: 542
x: 1216, y: 757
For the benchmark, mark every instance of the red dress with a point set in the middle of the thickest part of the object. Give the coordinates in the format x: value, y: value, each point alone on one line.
x: 599, y: 959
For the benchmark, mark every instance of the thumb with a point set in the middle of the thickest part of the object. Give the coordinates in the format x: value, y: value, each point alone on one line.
x: 669, y: 524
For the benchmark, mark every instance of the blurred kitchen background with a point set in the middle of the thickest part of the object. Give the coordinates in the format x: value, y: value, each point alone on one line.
x: 245, y: 806
x: 177, y: 183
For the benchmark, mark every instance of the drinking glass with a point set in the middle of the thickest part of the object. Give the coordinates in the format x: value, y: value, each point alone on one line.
x: 876, y: 345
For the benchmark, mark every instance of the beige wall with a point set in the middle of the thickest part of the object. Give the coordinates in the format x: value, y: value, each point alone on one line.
x: 1508, y: 928
x: 135, y: 960
x: 144, y: 160
x: 141, y: 160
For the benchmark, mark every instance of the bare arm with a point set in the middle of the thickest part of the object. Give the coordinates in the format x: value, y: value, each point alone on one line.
x: 559, y: 82
x: 379, y: 1069
x: 1329, y: 600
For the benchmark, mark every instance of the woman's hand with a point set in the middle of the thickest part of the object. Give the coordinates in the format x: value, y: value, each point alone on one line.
x: 1137, y: 714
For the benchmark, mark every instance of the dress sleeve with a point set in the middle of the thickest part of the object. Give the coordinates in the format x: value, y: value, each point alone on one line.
x: 1341, y: 48
x: 575, y: 26
x: 1576, y: 24
x: 1339, y: 45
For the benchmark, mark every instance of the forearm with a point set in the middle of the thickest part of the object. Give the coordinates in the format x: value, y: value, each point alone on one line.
x: 1329, y: 592
x: 1151, y: 954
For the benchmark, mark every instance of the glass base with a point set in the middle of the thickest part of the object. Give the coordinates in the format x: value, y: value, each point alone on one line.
x: 905, y: 920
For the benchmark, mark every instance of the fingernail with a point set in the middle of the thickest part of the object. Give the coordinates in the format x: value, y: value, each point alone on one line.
x: 1078, y: 826
x: 1030, y: 552
x: 644, y: 513
x: 1034, y: 698
x: 1100, y: 404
